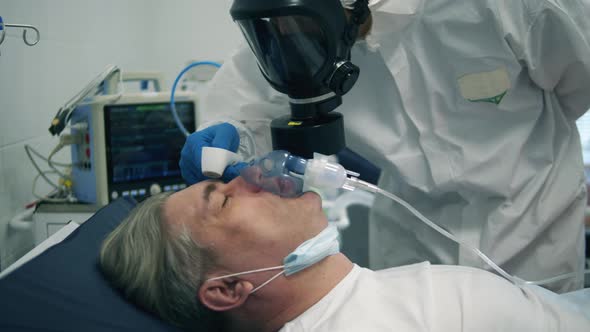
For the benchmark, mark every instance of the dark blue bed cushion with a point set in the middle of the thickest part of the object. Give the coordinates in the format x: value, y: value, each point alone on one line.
x: 63, y: 290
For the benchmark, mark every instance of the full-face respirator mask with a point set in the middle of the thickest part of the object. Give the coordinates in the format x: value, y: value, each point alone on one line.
x: 303, y: 50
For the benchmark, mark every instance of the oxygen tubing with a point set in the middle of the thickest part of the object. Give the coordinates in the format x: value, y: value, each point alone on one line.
x: 516, y: 280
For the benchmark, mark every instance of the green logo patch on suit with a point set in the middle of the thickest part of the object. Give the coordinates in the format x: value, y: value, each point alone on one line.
x: 485, y: 87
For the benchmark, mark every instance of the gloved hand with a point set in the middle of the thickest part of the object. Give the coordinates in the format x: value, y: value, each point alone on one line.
x: 224, y: 136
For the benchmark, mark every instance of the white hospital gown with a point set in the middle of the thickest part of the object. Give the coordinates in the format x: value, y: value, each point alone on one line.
x: 424, y: 297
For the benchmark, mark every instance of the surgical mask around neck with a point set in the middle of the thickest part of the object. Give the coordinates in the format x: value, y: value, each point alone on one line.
x: 305, y: 255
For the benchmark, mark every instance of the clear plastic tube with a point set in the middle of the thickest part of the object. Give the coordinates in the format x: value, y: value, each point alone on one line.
x: 556, y: 278
x: 370, y: 187
x: 353, y: 182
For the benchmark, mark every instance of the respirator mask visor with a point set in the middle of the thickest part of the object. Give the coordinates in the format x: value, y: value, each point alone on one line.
x: 291, y: 52
x: 299, y: 44
x: 302, y: 48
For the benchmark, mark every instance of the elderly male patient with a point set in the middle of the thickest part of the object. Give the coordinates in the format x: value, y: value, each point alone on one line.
x: 180, y: 256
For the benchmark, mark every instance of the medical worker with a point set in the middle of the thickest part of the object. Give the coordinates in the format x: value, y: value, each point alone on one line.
x: 469, y: 109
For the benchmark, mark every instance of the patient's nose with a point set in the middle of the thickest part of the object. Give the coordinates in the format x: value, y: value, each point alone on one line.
x: 239, y: 185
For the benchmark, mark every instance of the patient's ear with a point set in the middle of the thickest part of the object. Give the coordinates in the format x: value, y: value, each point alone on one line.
x: 224, y: 294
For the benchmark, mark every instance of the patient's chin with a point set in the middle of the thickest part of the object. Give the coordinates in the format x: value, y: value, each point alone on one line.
x: 313, y: 199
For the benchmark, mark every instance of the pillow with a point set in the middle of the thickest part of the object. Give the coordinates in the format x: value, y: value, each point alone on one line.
x: 63, y: 289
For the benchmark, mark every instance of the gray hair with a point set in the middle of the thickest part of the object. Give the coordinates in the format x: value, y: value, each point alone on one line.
x: 158, y: 269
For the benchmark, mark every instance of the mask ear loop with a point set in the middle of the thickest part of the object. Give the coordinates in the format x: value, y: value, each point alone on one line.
x: 268, y: 281
x: 253, y: 271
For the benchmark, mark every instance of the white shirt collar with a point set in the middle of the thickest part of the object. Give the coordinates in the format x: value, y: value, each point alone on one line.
x: 318, y: 310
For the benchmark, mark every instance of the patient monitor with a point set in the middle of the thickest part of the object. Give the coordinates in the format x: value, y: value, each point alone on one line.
x: 129, y: 145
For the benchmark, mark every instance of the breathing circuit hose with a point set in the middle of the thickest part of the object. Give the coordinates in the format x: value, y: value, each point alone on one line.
x: 173, y: 92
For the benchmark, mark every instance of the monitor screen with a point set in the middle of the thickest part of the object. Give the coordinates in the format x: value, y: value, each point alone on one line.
x: 143, y: 141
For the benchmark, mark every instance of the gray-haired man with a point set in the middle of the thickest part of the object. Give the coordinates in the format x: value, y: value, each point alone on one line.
x: 180, y: 257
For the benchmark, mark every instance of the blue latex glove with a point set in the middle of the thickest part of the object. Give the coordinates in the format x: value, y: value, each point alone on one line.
x: 224, y: 136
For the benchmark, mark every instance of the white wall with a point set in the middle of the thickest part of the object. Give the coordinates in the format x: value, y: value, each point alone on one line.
x: 192, y: 30
x: 78, y: 39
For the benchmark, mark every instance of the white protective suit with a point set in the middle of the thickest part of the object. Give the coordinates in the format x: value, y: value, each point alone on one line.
x: 469, y: 109
x: 441, y: 298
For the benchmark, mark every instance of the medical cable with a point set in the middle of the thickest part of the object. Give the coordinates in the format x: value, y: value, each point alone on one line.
x: 50, y: 163
x: 51, y: 197
x: 64, y: 140
x: 173, y: 92
x: 320, y: 173
x: 42, y: 173
x: 34, y: 185
x: 42, y: 157
x: 60, y: 188
x: 64, y: 114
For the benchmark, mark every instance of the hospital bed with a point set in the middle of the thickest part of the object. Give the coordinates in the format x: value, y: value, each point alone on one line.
x: 62, y: 289
x: 58, y: 285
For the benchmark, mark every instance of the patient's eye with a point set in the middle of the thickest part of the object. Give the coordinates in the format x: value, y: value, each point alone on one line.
x: 225, y: 201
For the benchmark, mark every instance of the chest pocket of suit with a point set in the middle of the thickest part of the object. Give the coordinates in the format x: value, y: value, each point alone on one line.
x: 485, y: 87
x: 494, y: 84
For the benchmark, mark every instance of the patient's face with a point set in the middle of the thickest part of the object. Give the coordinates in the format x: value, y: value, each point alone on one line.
x: 245, y: 227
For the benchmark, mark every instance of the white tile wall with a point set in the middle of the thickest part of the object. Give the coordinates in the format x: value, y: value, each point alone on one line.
x: 79, y: 38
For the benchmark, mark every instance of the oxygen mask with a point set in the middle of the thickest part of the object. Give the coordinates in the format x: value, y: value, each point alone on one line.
x: 287, y: 175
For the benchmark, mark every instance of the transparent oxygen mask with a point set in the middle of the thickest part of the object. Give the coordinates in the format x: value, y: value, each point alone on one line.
x: 286, y: 175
